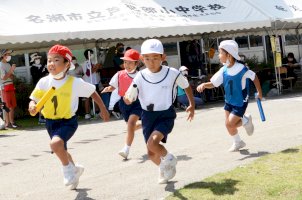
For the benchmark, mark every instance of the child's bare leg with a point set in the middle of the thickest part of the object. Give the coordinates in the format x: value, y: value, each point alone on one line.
x: 131, y: 128
x: 11, y: 115
x: 87, y: 105
x: 70, y: 158
x: 138, y: 126
x: 57, y: 146
x: 232, y: 122
x: 157, y: 149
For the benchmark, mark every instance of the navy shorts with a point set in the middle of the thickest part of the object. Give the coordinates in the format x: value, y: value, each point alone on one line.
x: 132, y: 109
x: 236, y: 110
x: 162, y: 121
x: 62, y: 128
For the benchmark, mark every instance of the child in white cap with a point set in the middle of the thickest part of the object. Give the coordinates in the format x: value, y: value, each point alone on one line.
x: 235, y: 79
x: 59, y: 111
x: 156, y: 86
x: 121, y: 81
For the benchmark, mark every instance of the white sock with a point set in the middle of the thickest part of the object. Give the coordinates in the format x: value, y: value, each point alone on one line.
x: 236, y: 138
x: 127, y: 148
x: 166, y: 157
x: 69, y: 166
x: 244, y: 120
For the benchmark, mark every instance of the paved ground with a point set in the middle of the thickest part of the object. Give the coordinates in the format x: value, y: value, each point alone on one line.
x: 28, y: 171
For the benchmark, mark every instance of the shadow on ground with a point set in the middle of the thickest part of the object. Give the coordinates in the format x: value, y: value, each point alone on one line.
x: 227, y: 187
x: 83, y: 195
x: 252, y: 155
x: 290, y: 150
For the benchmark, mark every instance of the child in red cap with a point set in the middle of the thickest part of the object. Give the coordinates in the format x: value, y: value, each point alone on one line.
x: 121, y: 81
x: 59, y: 111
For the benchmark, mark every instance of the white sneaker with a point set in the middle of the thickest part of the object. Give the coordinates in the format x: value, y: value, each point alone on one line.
x: 79, y: 169
x: 69, y: 174
x: 236, y: 146
x: 87, y: 116
x: 123, y: 153
x: 169, y: 167
x: 161, y: 176
x: 249, y: 126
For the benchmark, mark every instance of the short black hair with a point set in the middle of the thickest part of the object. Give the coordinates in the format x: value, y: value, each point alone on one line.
x: 119, y: 44
x: 86, y: 53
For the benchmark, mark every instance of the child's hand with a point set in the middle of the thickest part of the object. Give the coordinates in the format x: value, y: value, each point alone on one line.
x: 201, y: 87
x: 259, y: 95
x: 191, y: 110
x: 32, y: 109
x: 127, y: 101
x: 106, y: 89
x: 104, y: 114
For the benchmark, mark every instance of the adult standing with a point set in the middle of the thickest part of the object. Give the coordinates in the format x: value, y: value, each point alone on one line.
x: 37, y: 70
x: 7, y: 85
x: 91, y: 75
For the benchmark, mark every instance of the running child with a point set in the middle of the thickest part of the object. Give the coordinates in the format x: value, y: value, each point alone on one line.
x: 235, y: 79
x: 59, y: 111
x: 121, y: 81
x: 156, y: 86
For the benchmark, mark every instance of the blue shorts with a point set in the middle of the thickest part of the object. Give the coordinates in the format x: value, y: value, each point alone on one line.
x: 132, y: 109
x: 236, y: 110
x: 162, y: 121
x: 62, y: 128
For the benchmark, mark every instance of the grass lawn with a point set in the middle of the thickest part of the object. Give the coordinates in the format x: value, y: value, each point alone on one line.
x: 273, y: 176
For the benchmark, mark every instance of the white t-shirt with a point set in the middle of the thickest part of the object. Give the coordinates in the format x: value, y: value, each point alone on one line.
x: 80, y: 88
x: 159, y: 88
x: 95, y: 76
x: 217, y: 78
x: 4, y: 69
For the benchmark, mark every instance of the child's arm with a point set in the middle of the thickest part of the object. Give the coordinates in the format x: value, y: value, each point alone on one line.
x: 10, y: 73
x: 191, y: 107
x: 104, y: 114
x: 207, y: 85
x: 32, y: 107
x: 108, y: 89
x: 258, y: 87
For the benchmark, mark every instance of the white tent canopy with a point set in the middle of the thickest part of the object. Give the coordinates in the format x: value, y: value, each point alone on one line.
x: 41, y: 22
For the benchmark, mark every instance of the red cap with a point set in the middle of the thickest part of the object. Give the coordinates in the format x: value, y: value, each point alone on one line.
x: 64, y: 52
x: 131, y: 55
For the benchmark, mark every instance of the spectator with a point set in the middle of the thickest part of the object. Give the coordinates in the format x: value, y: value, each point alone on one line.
x: 37, y: 70
x: 119, y: 52
x: 77, y: 71
x: 91, y: 75
x: 182, y: 98
x: 290, y: 63
x: 8, y: 92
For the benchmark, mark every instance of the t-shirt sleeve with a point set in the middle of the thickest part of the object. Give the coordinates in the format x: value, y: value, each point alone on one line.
x: 250, y: 74
x: 114, y: 81
x: 182, y: 82
x: 82, y: 88
x: 217, y: 78
x: 38, y: 92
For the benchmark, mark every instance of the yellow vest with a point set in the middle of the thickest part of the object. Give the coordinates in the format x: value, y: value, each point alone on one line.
x: 59, y: 105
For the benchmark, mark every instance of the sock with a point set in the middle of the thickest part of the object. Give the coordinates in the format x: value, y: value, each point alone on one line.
x: 127, y: 148
x: 244, y: 120
x: 236, y: 138
x: 166, y: 157
x: 69, y: 166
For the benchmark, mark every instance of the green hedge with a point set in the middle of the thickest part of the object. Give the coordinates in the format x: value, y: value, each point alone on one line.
x: 23, y: 91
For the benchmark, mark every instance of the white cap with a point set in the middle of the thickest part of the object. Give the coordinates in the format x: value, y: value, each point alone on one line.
x: 183, y: 68
x: 231, y: 47
x: 152, y: 46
